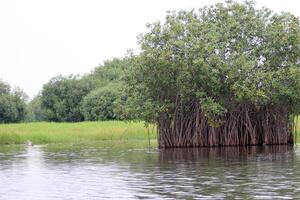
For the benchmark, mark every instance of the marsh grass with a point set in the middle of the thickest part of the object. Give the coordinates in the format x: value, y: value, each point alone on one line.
x: 45, y: 132
x: 117, y: 132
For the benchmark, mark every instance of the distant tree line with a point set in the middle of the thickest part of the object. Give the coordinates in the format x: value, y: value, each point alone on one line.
x: 94, y: 96
x: 91, y: 97
x: 12, y: 104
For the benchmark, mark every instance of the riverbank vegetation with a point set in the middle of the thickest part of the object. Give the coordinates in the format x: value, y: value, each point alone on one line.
x: 108, y: 132
x: 45, y: 132
x: 223, y: 75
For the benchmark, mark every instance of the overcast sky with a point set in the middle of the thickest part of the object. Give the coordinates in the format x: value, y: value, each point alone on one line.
x: 40, y: 39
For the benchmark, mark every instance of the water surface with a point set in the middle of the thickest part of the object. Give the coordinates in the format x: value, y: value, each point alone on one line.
x: 118, y: 171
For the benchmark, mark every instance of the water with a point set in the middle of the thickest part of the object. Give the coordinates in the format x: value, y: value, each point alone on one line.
x: 99, y: 171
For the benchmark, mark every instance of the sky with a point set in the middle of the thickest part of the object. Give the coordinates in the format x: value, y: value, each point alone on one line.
x: 40, y: 39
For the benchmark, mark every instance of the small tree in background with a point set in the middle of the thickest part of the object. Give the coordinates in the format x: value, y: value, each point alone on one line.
x: 12, y: 104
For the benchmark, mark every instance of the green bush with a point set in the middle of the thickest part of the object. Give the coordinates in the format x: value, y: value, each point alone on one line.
x: 99, y: 104
x: 61, y: 98
x: 12, y: 104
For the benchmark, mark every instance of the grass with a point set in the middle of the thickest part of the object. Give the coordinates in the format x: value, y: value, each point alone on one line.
x: 46, y: 132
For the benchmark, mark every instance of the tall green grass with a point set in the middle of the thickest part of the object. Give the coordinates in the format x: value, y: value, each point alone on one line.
x: 46, y: 132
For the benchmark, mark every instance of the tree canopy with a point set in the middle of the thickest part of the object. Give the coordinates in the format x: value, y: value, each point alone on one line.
x: 89, y: 97
x: 12, y: 104
x: 61, y: 98
x: 99, y: 104
x: 219, y: 66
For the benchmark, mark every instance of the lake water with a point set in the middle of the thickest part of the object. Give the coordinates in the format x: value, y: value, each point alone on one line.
x: 99, y: 171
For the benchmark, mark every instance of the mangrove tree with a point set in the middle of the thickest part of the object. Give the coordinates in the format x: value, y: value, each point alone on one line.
x: 223, y: 75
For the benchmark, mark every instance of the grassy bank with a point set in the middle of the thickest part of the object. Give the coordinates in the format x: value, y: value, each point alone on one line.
x: 45, y: 132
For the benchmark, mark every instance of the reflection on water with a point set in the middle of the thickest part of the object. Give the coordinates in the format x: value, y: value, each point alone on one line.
x: 99, y: 170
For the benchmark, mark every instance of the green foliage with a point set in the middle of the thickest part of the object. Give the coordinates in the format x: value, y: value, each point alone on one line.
x: 110, y: 72
x: 45, y: 132
x: 61, y: 98
x: 105, y: 102
x: 12, y: 104
x: 8, y: 110
x: 91, y: 97
x: 19, y: 99
x: 220, y: 56
x: 35, y: 111
x: 99, y: 104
